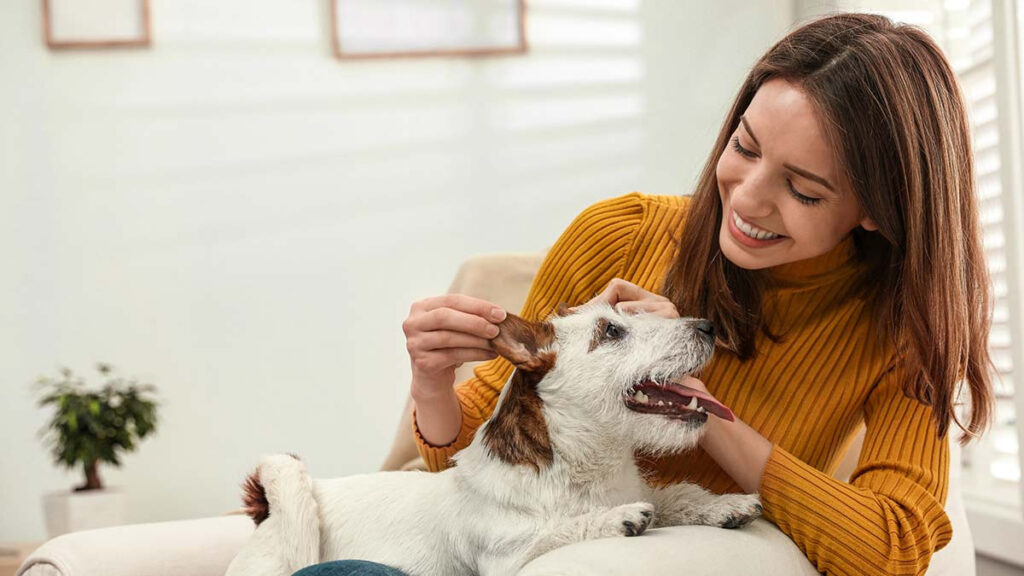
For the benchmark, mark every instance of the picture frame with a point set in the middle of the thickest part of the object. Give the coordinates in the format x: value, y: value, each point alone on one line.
x: 371, y: 29
x: 73, y: 24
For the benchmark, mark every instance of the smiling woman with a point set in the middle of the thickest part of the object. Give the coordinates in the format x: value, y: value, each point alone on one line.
x: 840, y: 180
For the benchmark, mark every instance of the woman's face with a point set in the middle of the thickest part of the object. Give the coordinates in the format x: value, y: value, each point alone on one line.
x: 782, y: 199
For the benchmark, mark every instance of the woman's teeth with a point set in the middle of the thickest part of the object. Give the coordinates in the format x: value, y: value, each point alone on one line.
x: 753, y: 231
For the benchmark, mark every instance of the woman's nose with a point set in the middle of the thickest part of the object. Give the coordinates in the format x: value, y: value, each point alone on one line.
x: 753, y: 196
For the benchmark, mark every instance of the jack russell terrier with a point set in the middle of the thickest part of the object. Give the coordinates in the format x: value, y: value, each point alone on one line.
x: 554, y: 465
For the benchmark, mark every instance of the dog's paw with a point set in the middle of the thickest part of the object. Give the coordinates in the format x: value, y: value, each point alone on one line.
x: 627, y: 520
x: 738, y: 510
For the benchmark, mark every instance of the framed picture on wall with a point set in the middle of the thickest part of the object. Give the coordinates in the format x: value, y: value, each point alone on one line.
x: 411, y: 28
x: 96, y: 23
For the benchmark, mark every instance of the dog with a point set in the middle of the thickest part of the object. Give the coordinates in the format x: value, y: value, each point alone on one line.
x: 554, y: 465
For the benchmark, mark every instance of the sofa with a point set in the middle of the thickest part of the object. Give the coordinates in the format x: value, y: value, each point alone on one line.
x: 205, y: 547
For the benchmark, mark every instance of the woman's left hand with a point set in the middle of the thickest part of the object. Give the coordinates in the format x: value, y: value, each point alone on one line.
x: 628, y: 298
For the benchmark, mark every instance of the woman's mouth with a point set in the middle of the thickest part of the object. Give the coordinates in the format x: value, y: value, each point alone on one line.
x: 749, y: 235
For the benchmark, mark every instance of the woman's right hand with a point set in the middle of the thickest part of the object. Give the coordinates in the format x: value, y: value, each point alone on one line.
x: 442, y: 333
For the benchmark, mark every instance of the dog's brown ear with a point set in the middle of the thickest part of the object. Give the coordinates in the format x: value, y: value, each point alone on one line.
x: 519, y: 341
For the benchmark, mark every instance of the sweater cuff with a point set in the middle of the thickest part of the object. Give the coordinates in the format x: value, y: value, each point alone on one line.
x: 438, y: 458
x: 777, y: 491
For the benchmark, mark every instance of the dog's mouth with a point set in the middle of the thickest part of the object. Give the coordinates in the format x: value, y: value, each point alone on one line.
x: 673, y: 400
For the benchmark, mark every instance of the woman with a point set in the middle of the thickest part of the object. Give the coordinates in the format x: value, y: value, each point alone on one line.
x: 833, y: 239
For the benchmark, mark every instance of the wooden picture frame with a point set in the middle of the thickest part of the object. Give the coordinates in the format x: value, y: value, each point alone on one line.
x: 61, y: 33
x: 347, y: 45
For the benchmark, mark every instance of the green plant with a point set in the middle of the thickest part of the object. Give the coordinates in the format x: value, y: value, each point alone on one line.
x: 95, y: 425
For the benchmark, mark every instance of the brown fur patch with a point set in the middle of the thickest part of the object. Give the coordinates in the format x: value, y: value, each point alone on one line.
x: 254, y: 498
x: 517, y: 432
x: 519, y: 340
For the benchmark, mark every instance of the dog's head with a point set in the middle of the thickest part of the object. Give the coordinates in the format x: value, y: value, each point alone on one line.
x: 597, y: 371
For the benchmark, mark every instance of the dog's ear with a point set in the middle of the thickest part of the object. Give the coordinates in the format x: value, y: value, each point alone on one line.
x: 520, y: 341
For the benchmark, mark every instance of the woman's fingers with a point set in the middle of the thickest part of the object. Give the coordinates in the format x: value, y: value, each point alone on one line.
x: 619, y: 290
x: 444, y: 332
x: 665, y: 309
x: 628, y: 298
x: 439, y: 361
x: 462, y: 303
x: 449, y: 319
x: 445, y: 339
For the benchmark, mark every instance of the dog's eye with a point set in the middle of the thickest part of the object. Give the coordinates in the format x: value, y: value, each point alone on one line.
x: 612, y: 332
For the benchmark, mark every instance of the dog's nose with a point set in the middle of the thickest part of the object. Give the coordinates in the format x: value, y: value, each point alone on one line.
x: 706, y: 327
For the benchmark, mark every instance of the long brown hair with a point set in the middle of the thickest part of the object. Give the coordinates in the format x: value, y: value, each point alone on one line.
x: 890, y: 103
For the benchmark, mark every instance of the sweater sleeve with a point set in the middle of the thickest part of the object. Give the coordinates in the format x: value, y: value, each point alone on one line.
x: 589, y: 254
x: 890, y: 517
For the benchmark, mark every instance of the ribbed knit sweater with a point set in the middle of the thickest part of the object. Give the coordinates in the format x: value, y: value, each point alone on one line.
x: 808, y: 394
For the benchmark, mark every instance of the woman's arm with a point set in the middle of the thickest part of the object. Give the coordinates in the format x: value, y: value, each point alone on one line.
x: 890, y: 518
x: 739, y: 449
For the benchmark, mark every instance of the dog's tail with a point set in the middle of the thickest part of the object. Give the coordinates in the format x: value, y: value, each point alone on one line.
x: 254, y: 498
x: 278, y: 496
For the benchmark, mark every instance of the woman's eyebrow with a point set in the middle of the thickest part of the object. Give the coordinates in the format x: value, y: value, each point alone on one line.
x: 809, y: 175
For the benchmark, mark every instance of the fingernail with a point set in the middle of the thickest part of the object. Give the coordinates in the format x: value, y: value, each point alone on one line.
x: 493, y: 331
x: 498, y: 314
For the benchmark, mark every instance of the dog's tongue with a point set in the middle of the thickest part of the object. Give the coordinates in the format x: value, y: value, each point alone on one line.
x: 704, y: 399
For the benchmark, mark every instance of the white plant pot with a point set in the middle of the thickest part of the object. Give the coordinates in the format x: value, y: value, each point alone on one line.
x: 74, y: 511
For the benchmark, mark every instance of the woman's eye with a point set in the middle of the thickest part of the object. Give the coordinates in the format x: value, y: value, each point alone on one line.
x: 739, y: 148
x: 809, y: 201
x: 612, y: 331
x: 806, y: 200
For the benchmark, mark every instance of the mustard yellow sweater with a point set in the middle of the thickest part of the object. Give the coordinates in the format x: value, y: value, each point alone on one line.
x: 808, y: 394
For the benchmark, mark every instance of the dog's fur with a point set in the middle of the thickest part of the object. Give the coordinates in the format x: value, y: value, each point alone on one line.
x: 553, y: 466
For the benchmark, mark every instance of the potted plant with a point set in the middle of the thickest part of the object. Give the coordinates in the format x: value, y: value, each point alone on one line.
x: 90, y: 425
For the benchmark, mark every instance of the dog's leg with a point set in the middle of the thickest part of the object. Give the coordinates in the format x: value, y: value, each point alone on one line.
x: 689, y: 504
x: 625, y: 520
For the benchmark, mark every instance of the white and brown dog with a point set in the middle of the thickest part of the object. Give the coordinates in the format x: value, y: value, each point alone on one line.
x: 554, y: 465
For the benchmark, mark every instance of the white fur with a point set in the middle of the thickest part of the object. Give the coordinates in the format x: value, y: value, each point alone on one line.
x: 486, y: 516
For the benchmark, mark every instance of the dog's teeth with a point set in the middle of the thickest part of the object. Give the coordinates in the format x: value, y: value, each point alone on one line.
x: 693, y: 403
x: 640, y: 397
x: 702, y: 410
x: 660, y: 403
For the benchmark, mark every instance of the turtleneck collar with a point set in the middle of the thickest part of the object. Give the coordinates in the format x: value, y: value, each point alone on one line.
x: 817, y: 270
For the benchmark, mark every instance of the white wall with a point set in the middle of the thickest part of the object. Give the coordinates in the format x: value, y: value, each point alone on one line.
x: 243, y: 221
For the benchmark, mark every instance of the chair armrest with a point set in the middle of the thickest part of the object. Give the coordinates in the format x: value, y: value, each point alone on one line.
x: 202, y: 547
x: 759, y: 548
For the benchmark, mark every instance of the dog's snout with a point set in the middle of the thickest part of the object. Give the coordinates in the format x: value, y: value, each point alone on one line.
x: 706, y: 327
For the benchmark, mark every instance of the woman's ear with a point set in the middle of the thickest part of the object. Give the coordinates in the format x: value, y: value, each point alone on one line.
x: 868, y: 224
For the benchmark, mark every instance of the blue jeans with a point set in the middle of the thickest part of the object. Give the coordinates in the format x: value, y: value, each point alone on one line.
x: 349, y: 568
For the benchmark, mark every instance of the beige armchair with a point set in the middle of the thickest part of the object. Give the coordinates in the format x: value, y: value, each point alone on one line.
x: 204, y: 547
